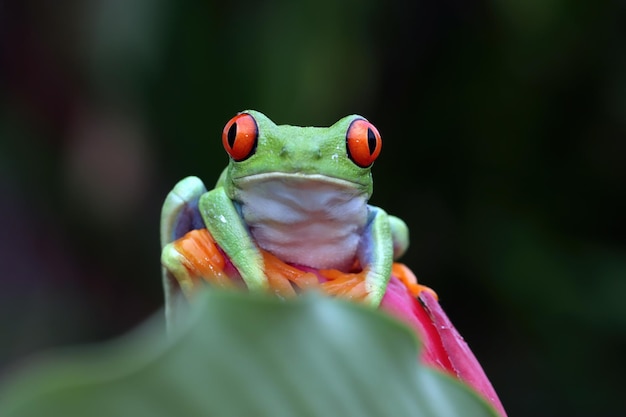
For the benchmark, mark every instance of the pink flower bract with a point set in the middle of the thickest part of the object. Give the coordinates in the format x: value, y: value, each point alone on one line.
x: 443, y: 347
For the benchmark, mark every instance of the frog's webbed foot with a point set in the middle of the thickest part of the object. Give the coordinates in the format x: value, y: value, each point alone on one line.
x: 408, y: 278
x: 353, y: 286
x: 286, y: 280
x: 194, y: 259
x: 346, y: 285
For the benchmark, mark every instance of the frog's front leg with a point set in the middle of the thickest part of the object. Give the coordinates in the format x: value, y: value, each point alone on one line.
x: 225, y: 225
x: 376, y: 253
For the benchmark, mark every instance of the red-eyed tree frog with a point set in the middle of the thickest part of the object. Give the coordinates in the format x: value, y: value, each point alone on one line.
x: 290, y: 200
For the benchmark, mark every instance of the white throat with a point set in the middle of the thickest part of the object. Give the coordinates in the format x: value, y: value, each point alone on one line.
x: 309, y: 220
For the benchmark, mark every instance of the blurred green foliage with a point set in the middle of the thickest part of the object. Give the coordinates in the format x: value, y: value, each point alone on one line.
x: 238, y: 355
x: 503, y: 125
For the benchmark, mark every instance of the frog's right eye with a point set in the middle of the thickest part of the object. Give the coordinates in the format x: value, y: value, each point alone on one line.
x: 240, y: 137
x: 363, y: 143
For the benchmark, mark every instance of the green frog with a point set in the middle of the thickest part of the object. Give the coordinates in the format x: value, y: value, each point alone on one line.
x: 291, y: 199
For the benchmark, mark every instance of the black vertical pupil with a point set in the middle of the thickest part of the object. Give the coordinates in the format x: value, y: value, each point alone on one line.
x: 371, y: 140
x: 232, y: 135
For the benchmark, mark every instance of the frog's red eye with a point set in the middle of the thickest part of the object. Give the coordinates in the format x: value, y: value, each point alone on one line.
x: 240, y: 137
x: 363, y: 143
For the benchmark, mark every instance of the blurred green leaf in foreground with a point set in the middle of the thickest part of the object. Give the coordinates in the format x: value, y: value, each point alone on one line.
x: 243, y: 355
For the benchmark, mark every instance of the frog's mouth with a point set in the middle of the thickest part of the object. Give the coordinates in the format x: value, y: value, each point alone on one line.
x: 298, y: 178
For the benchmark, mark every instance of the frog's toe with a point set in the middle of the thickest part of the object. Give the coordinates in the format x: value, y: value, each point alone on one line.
x: 195, y: 258
x: 408, y: 278
x: 345, y: 285
x: 286, y: 280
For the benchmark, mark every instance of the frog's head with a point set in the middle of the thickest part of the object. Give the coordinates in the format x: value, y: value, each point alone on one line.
x: 342, y: 153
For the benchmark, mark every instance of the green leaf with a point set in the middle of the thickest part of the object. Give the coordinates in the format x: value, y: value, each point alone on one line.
x: 243, y: 355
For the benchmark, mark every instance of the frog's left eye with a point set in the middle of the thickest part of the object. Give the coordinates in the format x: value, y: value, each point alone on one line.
x: 240, y: 137
x: 363, y: 143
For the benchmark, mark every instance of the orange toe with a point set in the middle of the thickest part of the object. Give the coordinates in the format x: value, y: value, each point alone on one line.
x: 285, y: 279
x: 202, y: 258
x: 344, y: 284
x: 408, y: 278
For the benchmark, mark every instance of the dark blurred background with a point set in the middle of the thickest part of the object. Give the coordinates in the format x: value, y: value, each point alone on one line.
x: 503, y: 125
